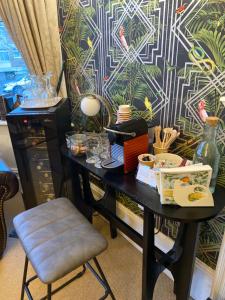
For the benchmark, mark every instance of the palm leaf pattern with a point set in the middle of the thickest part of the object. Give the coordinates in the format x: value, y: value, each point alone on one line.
x: 207, y: 28
x: 215, y: 41
x: 207, y: 18
x: 132, y: 85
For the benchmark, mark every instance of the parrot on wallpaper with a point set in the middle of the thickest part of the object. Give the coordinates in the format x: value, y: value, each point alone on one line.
x: 201, y: 110
x: 106, y: 77
x: 75, y: 87
x: 148, y: 104
x: 89, y: 42
x: 122, y: 38
x: 181, y: 9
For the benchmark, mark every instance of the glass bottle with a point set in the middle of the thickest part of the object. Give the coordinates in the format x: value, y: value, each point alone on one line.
x: 207, y: 152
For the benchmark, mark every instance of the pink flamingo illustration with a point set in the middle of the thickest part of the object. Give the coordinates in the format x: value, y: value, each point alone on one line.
x: 201, y: 110
x: 75, y: 87
x: 122, y: 38
x: 106, y: 77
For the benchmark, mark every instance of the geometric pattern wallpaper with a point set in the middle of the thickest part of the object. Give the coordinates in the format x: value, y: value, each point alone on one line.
x: 164, y: 58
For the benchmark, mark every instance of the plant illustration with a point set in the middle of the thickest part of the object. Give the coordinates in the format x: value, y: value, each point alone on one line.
x: 131, y: 88
x: 130, y: 52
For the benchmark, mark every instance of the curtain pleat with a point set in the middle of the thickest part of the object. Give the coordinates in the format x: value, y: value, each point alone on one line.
x: 33, y: 26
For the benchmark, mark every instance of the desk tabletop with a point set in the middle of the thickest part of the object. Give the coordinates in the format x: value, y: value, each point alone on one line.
x: 148, y: 197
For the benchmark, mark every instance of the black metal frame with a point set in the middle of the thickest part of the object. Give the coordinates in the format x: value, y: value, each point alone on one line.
x: 101, y: 279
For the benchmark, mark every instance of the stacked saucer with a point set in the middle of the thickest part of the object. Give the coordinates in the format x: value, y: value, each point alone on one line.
x: 123, y: 114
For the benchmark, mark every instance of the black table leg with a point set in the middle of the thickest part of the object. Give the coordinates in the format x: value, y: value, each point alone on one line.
x: 110, y: 197
x: 76, y: 191
x: 150, y: 269
x: 109, y: 201
x: 183, y: 268
x: 87, y: 195
x: 80, y: 193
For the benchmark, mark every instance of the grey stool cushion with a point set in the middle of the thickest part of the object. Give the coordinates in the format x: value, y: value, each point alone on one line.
x: 57, y: 238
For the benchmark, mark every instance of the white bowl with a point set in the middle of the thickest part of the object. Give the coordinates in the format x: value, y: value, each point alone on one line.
x: 169, y: 157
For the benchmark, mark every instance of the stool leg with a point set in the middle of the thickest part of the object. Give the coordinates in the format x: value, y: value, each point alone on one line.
x: 103, y: 277
x: 49, y: 296
x: 24, y: 278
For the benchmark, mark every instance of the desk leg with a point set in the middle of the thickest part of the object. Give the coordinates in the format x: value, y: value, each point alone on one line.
x: 149, y: 267
x: 76, y: 193
x: 183, y: 269
x: 87, y: 196
x: 110, y: 197
x: 81, y: 192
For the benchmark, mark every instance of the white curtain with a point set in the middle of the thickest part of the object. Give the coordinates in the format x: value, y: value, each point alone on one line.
x: 33, y: 25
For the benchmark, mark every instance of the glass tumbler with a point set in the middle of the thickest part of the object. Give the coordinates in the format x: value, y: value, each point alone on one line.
x: 103, y: 150
x: 92, y: 149
x: 69, y: 135
x: 105, y: 154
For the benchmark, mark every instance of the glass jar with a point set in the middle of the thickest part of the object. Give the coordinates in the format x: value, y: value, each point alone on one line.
x: 77, y: 144
x: 207, y: 152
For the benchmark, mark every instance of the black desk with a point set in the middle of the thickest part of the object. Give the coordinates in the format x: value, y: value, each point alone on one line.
x: 181, y: 258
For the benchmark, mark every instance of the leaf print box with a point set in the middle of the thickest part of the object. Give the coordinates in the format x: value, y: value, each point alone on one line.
x: 182, y: 178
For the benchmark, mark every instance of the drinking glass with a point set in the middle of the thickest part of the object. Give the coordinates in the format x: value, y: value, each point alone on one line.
x: 105, y: 154
x: 98, y: 152
x: 93, y: 146
x: 103, y: 151
x: 68, y: 135
x: 27, y: 93
x: 49, y: 89
x: 37, y: 87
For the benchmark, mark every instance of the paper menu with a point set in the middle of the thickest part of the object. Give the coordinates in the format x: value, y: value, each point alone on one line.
x: 185, y: 186
x: 190, y: 181
x: 193, y: 196
x: 147, y: 175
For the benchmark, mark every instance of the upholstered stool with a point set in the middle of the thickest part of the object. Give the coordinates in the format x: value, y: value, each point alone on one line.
x: 57, y: 239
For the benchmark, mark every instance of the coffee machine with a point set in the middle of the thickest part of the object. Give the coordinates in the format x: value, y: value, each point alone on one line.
x: 128, y: 140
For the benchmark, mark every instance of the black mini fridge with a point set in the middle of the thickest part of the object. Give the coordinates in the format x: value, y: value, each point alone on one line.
x: 37, y: 135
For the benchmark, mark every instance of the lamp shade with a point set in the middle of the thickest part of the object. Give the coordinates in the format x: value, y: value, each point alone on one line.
x: 89, y: 105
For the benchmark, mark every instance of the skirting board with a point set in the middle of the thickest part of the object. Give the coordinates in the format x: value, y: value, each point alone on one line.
x: 203, y: 274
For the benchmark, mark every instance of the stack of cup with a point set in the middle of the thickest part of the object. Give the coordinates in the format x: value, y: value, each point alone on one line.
x: 123, y: 114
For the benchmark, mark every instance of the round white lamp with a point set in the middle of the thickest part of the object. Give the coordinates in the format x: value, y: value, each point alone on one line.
x: 90, y: 105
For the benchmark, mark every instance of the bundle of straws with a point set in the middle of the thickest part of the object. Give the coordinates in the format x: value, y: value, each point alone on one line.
x: 168, y: 137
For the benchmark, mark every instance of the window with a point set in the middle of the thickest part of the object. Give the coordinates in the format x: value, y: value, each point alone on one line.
x: 13, y: 71
x: 4, y: 56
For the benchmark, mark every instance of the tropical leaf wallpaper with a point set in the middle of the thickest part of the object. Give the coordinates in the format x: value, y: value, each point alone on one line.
x: 165, y: 58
